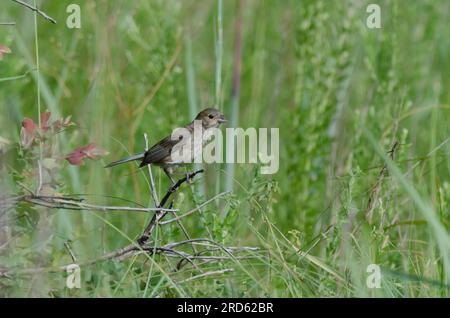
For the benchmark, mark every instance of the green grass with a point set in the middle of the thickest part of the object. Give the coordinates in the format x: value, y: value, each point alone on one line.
x: 340, y: 93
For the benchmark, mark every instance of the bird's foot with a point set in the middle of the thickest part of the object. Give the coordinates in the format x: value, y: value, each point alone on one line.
x: 189, y: 179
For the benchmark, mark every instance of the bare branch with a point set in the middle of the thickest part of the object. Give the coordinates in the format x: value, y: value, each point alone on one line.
x: 29, y: 6
x: 195, y: 209
x: 202, y: 241
x: 150, y: 176
x: 161, y: 214
x: 76, y: 204
x: 40, y: 178
x: 134, y: 249
x: 72, y: 255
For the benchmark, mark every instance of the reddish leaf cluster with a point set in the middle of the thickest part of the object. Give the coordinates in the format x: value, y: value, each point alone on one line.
x: 90, y: 151
x: 30, y: 130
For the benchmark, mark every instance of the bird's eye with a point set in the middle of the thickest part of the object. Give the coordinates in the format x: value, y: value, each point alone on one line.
x: 211, y: 116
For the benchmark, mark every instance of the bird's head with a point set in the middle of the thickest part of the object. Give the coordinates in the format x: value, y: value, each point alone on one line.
x: 210, y: 118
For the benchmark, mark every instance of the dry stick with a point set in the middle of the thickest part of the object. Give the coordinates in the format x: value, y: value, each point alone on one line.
x: 7, y: 23
x: 42, y: 13
x: 161, y: 214
x: 211, y: 242
x: 121, y: 254
x: 207, y: 257
x: 216, y: 247
x: 150, y: 176
x: 186, y: 234
x: 183, y: 257
x: 207, y: 242
x: 63, y: 203
x: 40, y: 177
x: 195, y: 209
x: 72, y: 255
x: 125, y: 252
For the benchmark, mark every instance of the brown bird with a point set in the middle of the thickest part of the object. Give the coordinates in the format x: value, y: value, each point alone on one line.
x: 160, y: 154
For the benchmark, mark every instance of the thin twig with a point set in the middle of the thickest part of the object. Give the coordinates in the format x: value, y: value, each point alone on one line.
x: 70, y: 204
x: 182, y: 255
x: 7, y: 23
x: 195, y: 209
x: 208, y: 257
x: 35, y: 9
x: 211, y: 243
x: 186, y: 234
x: 159, y: 215
x: 72, y: 255
x: 40, y: 178
x: 150, y: 176
x: 131, y: 250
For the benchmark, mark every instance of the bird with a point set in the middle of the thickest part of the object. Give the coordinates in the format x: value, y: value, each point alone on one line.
x: 160, y: 154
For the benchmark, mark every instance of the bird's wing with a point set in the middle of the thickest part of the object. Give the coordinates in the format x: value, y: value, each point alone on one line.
x: 159, y: 151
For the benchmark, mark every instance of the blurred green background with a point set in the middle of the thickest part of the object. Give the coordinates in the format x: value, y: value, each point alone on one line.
x: 341, y: 94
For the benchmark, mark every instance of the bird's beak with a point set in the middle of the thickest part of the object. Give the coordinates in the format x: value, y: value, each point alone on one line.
x: 222, y: 120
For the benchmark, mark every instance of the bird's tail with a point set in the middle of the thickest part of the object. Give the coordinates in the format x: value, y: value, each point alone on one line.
x: 127, y: 159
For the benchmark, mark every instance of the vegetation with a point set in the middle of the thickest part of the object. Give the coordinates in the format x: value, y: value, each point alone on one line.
x: 364, y: 145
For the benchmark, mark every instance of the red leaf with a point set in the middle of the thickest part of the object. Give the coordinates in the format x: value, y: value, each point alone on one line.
x: 27, y: 133
x: 94, y: 152
x: 75, y: 158
x: 44, y: 120
x: 90, y: 151
x: 4, y: 50
x: 29, y: 125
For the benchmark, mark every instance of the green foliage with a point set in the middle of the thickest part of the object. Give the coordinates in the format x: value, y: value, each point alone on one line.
x: 340, y: 93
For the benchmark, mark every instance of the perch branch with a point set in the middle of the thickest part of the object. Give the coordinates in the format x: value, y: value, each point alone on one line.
x: 42, y: 13
x: 150, y: 176
x: 195, y: 209
x: 213, y: 243
x: 76, y: 204
x: 161, y: 214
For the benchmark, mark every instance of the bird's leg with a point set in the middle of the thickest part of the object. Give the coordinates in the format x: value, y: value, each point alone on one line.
x: 188, y: 178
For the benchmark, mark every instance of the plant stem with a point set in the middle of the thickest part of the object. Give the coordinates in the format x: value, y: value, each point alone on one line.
x: 36, y: 45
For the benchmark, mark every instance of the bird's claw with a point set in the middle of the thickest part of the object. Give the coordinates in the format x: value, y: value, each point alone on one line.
x: 189, y: 179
